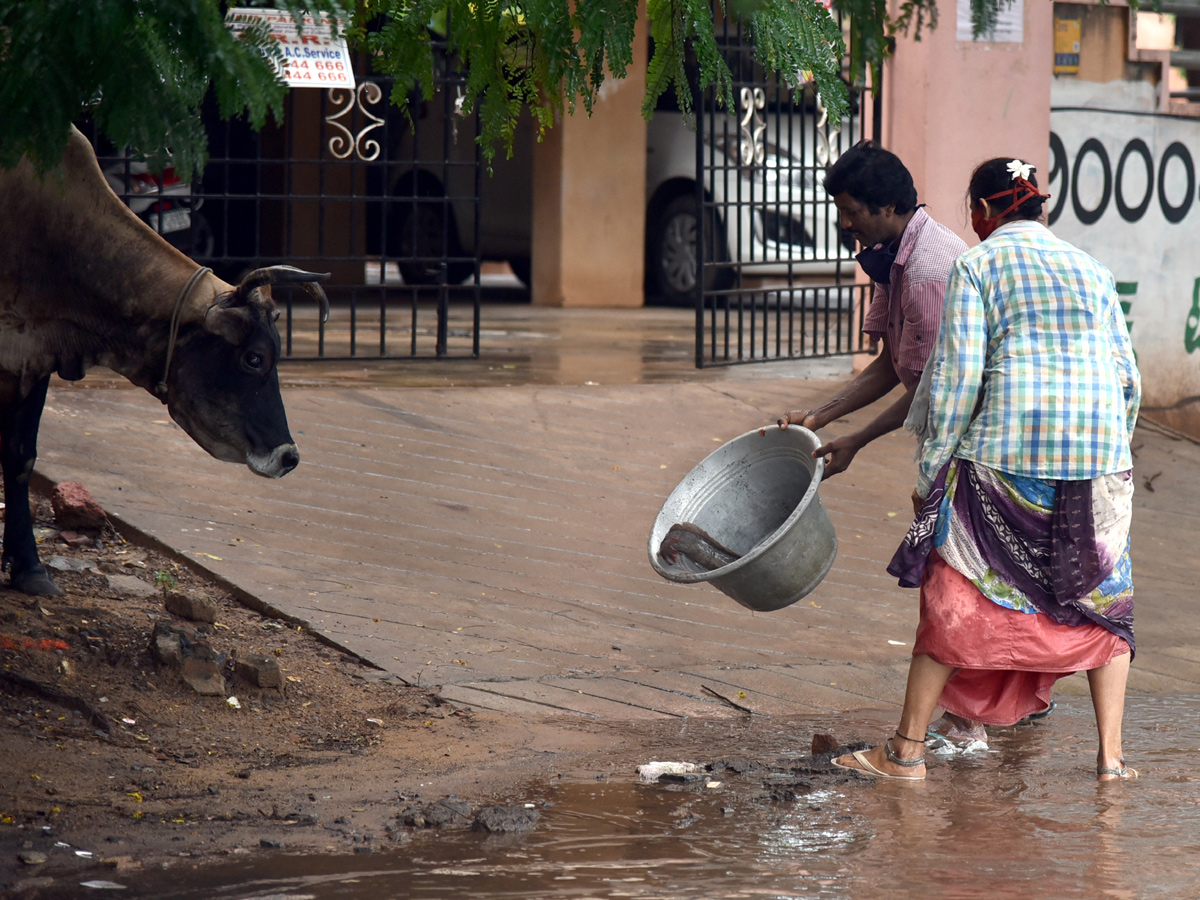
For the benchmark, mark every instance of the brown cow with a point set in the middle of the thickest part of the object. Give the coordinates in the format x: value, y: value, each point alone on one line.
x: 84, y: 282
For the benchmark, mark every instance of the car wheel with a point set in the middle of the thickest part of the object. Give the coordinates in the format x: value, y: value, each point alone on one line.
x: 671, y: 257
x: 420, y: 238
x: 522, y: 267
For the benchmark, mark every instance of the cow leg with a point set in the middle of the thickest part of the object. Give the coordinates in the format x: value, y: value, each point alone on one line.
x: 18, y: 452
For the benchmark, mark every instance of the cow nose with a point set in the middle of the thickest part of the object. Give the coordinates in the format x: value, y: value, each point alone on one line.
x: 289, y: 459
x: 275, y: 464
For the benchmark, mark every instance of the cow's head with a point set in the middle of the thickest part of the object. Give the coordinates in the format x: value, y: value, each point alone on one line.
x: 222, y: 386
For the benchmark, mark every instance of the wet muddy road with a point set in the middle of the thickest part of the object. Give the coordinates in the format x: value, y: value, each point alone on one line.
x: 1025, y: 819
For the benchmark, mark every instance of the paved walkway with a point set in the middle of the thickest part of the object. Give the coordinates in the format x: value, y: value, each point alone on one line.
x: 491, y: 537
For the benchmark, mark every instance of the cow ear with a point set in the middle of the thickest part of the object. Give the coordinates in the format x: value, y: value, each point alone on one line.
x: 234, y: 323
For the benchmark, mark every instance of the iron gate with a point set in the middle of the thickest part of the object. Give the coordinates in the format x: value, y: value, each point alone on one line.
x: 385, y: 199
x: 775, y: 279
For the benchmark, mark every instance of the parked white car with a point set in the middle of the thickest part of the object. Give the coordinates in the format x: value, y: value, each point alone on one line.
x: 769, y: 215
x: 764, y: 174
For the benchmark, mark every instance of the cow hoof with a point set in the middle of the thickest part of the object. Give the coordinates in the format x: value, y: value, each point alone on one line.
x: 36, y: 584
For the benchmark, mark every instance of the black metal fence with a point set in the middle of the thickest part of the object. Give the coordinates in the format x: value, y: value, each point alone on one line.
x: 386, y: 199
x: 777, y: 279
x: 396, y: 204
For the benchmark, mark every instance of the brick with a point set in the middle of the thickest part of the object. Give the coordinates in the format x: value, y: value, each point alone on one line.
x: 76, y: 509
x: 261, y: 671
x: 192, y: 607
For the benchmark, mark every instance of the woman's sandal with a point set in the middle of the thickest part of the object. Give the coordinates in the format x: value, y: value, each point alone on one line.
x: 1121, y: 771
x: 1034, y: 717
x: 868, y: 769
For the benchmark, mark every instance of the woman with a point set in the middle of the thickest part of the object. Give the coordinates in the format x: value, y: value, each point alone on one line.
x: 1024, y: 494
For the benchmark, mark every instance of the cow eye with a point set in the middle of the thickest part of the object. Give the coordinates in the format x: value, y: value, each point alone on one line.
x: 254, y: 361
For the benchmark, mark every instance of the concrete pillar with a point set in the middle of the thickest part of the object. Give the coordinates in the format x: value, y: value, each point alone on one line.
x: 589, y: 198
x: 949, y: 105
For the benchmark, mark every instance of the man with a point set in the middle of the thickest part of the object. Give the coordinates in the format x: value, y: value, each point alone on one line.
x: 908, y: 255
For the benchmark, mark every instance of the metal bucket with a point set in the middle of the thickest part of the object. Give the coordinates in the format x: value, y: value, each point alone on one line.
x: 756, y: 495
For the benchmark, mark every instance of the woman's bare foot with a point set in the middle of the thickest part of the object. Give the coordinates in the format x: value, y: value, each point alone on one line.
x: 959, y: 730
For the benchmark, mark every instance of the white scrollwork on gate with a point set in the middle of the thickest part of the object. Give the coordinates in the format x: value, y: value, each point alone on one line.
x: 752, y: 126
x: 822, y: 134
x: 344, y: 142
x: 825, y: 136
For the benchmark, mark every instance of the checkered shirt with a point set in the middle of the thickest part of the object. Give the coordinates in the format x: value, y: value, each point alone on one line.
x: 1033, y: 338
x: 909, y: 310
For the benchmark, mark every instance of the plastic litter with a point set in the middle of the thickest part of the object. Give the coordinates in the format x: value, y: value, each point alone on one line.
x: 654, y: 770
x: 942, y: 746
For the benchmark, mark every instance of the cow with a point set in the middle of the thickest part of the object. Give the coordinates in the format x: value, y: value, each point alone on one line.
x: 84, y: 282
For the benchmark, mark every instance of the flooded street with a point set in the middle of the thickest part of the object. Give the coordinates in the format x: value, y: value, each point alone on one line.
x: 492, y: 541
x: 1025, y: 819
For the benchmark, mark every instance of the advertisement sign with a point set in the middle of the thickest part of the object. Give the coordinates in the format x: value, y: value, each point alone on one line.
x: 312, y: 56
x: 1123, y: 188
x: 1066, y: 46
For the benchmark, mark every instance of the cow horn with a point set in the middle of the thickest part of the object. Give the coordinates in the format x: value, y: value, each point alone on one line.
x: 288, y: 275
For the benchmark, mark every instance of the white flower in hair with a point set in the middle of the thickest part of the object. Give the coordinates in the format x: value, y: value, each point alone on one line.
x: 1018, y: 169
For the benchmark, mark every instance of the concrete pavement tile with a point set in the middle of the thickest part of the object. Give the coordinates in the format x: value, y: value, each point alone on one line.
x: 520, y: 515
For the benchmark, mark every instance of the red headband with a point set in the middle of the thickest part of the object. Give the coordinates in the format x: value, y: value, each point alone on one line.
x: 1020, y: 185
x: 1021, y: 191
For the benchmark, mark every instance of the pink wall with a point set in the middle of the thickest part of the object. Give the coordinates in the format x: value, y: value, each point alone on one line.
x: 949, y: 105
x: 589, y: 197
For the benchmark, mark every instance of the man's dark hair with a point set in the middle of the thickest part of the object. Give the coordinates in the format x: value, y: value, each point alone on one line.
x: 874, y: 177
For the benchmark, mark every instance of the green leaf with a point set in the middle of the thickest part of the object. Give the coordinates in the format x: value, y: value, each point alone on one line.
x: 139, y: 68
x: 142, y: 68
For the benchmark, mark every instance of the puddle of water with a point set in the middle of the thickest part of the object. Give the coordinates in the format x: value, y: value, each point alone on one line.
x: 1026, y: 819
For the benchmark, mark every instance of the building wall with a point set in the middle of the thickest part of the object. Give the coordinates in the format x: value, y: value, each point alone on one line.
x: 1128, y: 185
x: 951, y: 104
x: 1126, y: 165
x: 589, y: 198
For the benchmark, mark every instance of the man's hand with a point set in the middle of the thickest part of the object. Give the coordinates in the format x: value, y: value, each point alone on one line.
x: 839, y: 453
x: 918, y: 501
x: 805, y: 418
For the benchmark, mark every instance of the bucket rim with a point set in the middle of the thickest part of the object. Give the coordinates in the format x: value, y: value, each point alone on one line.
x: 762, y: 546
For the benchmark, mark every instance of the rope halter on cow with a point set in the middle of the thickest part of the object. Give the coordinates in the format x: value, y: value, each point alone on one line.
x: 160, y: 389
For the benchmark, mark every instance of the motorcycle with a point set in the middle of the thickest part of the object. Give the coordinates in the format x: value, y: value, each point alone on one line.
x: 163, y: 202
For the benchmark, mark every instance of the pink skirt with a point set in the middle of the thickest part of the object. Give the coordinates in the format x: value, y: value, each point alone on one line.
x: 1007, y: 660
